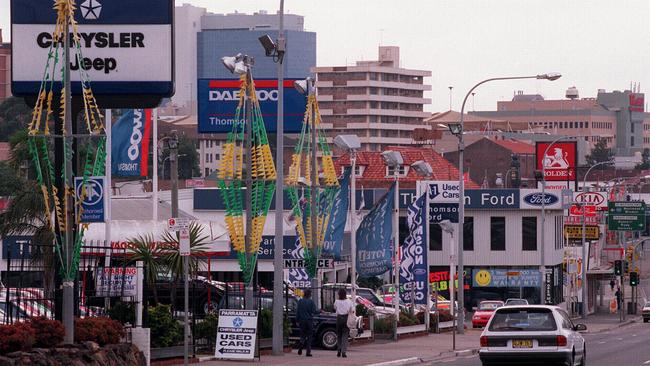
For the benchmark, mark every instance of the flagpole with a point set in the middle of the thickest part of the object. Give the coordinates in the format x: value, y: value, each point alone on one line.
x: 427, y: 316
x: 353, y: 229
x: 154, y: 117
x: 108, y: 192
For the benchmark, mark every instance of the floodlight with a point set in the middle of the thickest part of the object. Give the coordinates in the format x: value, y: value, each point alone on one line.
x: 268, y: 44
x: 304, y: 86
x: 550, y: 76
x: 392, y: 158
x: 422, y: 168
x: 237, y: 64
x: 447, y: 226
x: 455, y: 128
x: 347, y: 142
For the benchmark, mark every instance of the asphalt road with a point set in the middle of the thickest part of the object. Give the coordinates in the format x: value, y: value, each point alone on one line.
x: 626, y: 346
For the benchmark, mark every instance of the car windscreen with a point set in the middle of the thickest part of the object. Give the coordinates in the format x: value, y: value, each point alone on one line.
x: 522, y: 319
x: 516, y: 302
x: 489, y: 306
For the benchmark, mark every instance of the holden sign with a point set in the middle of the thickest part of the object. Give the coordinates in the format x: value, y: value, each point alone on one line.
x: 558, y: 160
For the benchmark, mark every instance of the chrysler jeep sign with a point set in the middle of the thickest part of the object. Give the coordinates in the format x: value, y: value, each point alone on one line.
x: 218, y: 101
x: 127, y: 46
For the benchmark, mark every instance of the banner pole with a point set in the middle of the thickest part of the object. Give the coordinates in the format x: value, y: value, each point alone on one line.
x: 154, y: 117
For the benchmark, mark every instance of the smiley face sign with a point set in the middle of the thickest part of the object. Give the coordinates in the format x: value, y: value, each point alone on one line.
x: 482, y: 278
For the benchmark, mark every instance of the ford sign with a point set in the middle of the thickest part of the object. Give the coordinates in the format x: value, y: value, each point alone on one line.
x: 536, y: 199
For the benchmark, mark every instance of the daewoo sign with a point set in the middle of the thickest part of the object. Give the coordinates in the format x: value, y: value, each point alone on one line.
x: 536, y: 199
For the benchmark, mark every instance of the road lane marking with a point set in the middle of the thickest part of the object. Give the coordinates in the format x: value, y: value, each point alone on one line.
x: 602, y: 342
x: 647, y: 362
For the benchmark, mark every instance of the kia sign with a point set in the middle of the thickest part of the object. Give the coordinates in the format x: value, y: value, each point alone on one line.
x: 127, y: 46
x: 595, y: 199
x: 559, y: 162
x: 218, y: 100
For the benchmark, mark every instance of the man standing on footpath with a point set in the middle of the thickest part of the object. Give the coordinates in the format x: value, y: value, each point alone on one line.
x: 305, y: 316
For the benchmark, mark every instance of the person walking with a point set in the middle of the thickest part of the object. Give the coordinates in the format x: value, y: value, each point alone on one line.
x: 343, y: 306
x: 305, y: 312
x: 612, y: 283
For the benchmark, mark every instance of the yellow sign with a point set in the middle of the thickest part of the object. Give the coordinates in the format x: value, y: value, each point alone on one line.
x: 592, y: 232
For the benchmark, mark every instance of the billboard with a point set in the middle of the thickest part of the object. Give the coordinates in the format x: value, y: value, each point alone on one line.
x: 127, y: 46
x: 130, y: 144
x: 560, y: 160
x: 637, y: 102
x: 218, y: 100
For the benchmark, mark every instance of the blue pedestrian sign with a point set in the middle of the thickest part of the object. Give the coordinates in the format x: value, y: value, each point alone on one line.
x: 93, y: 203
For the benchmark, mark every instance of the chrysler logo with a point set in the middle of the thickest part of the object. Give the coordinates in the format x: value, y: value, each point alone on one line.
x: 90, y: 9
x: 536, y: 199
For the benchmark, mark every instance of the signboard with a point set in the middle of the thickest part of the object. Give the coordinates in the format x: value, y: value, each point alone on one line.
x: 577, y: 220
x: 195, y: 183
x: 127, y: 46
x: 592, y: 232
x: 505, y: 277
x: 178, y: 223
x: 116, y: 281
x: 636, y: 102
x: 443, y: 191
x: 302, y: 263
x: 16, y: 247
x: 577, y: 210
x: 548, y: 290
x: 492, y: 198
x: 596, y: 199
x: 130, y: 143
x: 218, y: 100
x: 236, y: 334
x: 532, y: 199
x: 439, y: 212
x: 560, y: 160
x: 184, y: 242
x: 93, y: 203
x: 567, y: 198
x: 626, y: 216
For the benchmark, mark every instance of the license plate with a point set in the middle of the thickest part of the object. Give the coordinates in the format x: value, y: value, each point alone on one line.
x: 522, y: 343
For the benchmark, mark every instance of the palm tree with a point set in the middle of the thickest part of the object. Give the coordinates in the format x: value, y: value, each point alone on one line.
x: 151, y: 255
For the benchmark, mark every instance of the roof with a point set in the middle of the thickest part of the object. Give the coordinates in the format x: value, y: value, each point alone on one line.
x: 517, y: 147
x: 374, y: 168
x: 472, y: 122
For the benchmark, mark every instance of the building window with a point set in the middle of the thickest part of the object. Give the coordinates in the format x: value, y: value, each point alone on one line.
x: 631, y: 140
x: 358, y: 169
x: 468, y: 234
x: 529, y: 233
x: 632, y: 127
x: 498, y: 233
x: 586, y: 124
x: 435, y: 240
x: 402, y: 170
x: 207, y: 171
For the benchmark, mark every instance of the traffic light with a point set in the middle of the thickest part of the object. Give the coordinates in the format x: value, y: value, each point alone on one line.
x: 626, y: 267
x: 634, y: 278
x: 618, y: 267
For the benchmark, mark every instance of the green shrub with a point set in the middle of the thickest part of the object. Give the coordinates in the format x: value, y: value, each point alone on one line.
x: 385, y: 325
x: 406, y: 319
x: 165, y: 330
x: 207, y: 329
x: 265, y: 323
x: 123, y: 312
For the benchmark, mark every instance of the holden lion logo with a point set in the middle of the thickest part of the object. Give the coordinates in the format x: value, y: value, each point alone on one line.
x: 556, y: 160
x: 90, y: 9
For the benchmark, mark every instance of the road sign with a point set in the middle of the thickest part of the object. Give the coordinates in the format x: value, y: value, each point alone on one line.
x: 93, y: 193
x: 626, y: 216
x: 301, y: 263
x: 236, y: 334
x: 178, y: 223
x: 184, y: 242
x: 592, y: 232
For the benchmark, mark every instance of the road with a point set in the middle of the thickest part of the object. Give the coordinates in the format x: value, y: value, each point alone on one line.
x: 626, y: 346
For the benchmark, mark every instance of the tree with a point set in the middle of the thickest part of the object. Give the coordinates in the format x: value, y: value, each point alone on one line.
x: 145, y: 250
x: 10, y: 183
x: 600, y: 153
x: 15, y: 115
x: 645, y: 160
x: 188, y: 161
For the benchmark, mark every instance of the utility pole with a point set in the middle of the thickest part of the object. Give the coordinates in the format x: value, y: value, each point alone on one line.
x: 314, y: 190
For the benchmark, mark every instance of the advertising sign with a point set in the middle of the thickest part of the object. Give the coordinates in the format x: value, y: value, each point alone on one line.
x: 413, y: 264
x: 116, y: 281
x: 374, y: 237
x: 127, y: 46
x: 439, y: 212
x: 297, y: 277
x: 595, y: 199
x: 531, y: 199
x: 441, y: 191
x: 636, y: 102
x: 333, y: 242
x: 505, y: 277
x: 560, y: 160
x: 93, y: 203
x: 236, y: 334
x: 130, y: 143
x: 626, y: 216
x: 16, y: 246
x: 492, y: 198
x: 218, y: 100
x: 587, y: 210
x: 592, y: 232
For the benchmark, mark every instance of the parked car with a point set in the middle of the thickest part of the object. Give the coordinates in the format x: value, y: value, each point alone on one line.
x: 513, y: 301
x: 484, y: 312
x: 645, y: 312
x: 532, y: 333
x: 380, y: 308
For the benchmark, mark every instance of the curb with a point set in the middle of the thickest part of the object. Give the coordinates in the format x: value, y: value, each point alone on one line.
x: 451, y: 354
x: 619, y: 325
x: 402, y: 362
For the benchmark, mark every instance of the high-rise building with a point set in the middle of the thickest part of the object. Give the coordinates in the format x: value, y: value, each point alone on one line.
x: 5, y: 69
x: 379, y: 101
x: 187, y: 23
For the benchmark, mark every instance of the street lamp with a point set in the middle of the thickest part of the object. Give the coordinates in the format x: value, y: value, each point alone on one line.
x: 458, y: 131
x: 351, y: 144
x: 394, y: 160
x: 277, y: 50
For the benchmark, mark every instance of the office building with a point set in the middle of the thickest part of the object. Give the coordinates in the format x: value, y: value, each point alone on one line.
x: 5, y: 69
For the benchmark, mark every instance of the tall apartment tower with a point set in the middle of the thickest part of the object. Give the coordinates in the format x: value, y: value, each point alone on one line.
x: 378, y: 101
x: 5, y: 69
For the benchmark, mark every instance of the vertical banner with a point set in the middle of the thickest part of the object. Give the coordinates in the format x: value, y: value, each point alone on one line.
x: 413, y: 265
x: 374, y: 236
x: 130, y: 144
x: 297, y: 277
x: 334, y: 235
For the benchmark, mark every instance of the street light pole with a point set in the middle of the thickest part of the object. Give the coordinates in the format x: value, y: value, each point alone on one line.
x: 353, y: 231
x: 461, y: 197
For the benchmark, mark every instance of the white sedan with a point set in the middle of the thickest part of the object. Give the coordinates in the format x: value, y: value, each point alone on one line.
x: 532, y: 333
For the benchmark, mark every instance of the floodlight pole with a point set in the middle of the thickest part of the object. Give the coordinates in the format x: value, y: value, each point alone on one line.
x: 396, y: 263
x: 314, y: 192
x: 278, y: 272
x: 353, y: 223
x: 248, y: 110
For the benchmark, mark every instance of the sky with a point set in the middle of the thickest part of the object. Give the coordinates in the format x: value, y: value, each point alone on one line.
x: 594, y: 44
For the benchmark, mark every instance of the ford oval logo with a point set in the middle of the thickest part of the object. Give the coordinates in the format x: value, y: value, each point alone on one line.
x: 420, y: 271
x: 536, y: 199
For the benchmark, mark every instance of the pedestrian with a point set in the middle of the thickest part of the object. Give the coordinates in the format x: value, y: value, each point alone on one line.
x: 343, y: 306
x: 612, y: 283
x: 305, y: 312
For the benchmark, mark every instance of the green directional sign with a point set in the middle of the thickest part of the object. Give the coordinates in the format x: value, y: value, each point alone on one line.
x: 626, y: 216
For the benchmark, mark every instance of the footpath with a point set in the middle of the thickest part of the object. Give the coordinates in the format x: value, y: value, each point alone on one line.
x: 411, y: 351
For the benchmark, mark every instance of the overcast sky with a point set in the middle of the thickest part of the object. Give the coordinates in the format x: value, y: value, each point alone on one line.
x: 593, y: 43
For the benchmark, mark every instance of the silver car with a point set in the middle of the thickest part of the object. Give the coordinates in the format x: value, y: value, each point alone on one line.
x: 532, y: 333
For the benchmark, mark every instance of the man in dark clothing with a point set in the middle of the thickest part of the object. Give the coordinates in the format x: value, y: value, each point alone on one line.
x: 305, y: 316
x: 612, y: 283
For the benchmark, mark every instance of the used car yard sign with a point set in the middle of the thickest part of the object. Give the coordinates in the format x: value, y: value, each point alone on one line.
x: 236, y: 334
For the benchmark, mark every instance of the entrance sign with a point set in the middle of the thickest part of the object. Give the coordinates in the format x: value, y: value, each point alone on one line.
x: 236, y: 334
x: 559, y: 162
x: 301, y: 263
x: 626, y: 216
x: 127, y: 46
x: 116, y: 281
x: 93, y: 203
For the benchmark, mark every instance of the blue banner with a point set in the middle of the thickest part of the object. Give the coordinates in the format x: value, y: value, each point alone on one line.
x: 298, y: 277
x: 218, y: 100
x: 130, y: 144
x: 413, y: 271
x: 374, y: 236
x: 333, y: 241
